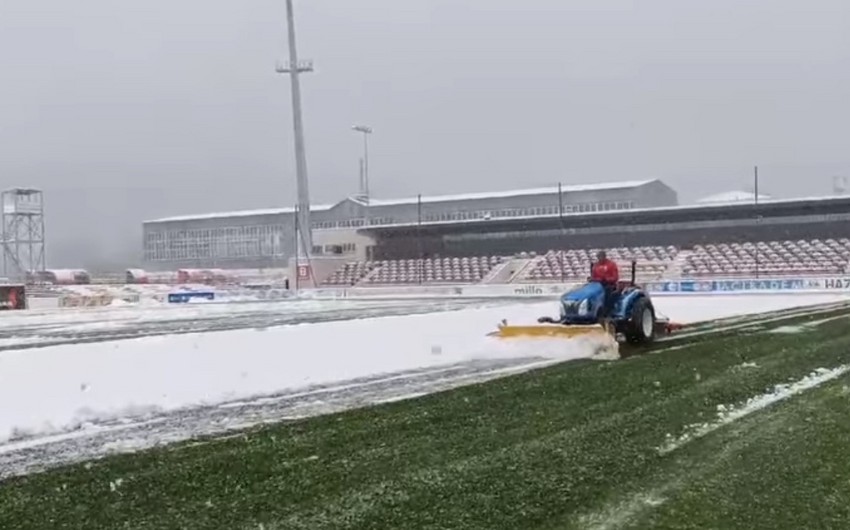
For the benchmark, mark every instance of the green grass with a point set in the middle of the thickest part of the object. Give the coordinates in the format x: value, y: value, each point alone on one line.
x: 571, y: 446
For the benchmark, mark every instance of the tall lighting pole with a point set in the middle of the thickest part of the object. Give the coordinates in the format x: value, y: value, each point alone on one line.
x: 294, y: 68
x: 758, y: 217
x: 366, y: 132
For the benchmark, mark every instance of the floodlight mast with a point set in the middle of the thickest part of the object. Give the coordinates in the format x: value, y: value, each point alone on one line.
x: 294, y: 68
x: 366, y: 132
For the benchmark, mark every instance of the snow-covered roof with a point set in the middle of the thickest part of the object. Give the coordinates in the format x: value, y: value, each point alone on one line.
x: 732, y: 196
x: 567, y: 188
x: 240, y: 213
x: 65, y: 274
x: 677, y: 208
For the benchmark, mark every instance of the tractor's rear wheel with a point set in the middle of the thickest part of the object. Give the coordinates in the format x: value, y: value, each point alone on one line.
x: 641, y: 325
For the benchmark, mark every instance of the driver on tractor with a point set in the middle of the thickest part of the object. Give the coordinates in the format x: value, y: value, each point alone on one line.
x: 605, y: 272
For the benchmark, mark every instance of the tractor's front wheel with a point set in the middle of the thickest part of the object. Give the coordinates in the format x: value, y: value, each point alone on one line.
x: 641, y: 325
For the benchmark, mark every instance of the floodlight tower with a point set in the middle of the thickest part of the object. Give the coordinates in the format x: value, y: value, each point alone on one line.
x: 294, y: 68
x: 23, y: 232
x: 364, y: 185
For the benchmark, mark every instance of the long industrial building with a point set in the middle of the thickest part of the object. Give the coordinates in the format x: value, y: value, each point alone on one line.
x: 266, y: 238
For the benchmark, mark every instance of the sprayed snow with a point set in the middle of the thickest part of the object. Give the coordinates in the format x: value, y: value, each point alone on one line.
x: 789, y: 329
x: 807, y: 326
x: 727, y: 414
x: 620, y: 514
x: 747, y: 365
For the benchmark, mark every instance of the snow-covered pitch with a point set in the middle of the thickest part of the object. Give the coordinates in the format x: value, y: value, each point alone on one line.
x: 88, y: 393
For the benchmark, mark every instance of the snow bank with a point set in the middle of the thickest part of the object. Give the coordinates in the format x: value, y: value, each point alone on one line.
x: 64, y: 387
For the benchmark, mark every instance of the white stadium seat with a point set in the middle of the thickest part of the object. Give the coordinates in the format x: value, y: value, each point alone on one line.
x: 769, y: 258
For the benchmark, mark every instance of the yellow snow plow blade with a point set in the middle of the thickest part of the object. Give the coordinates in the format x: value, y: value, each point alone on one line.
x: 546, y: 330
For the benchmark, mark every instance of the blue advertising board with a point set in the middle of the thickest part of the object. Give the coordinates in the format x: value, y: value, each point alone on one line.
x: 184, y: 297
x: 748, y: 285
x: 681, y: 286
x: 785, y: 284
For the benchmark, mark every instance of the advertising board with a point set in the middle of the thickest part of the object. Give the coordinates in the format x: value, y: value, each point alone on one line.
x: 448, y: 291
x: 186, y: 296
x: 546, y: 290
x: 43, y: 302
x: 836, y: 284
x: 749, y: 285
x: 13, y: 297
x: 531, y: 290
x: 76, y: 300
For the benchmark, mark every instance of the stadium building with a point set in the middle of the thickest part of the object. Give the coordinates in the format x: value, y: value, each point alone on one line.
x: 351, y: 228
x: 776, y: 238
x: 681, y: 226
x: 526, y: 236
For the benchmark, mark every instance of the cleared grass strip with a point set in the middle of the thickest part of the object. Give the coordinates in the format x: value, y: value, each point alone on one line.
x: 783, y: 468
x: 728, y: 414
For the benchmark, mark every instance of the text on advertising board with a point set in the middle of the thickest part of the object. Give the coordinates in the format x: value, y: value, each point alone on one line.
x: 791, y: 284
x: 775, y: 284
x: 184, y: 297
x: 836, y: 283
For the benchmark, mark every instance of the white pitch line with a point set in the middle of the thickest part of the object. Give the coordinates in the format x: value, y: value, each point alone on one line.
x: 729, y: 413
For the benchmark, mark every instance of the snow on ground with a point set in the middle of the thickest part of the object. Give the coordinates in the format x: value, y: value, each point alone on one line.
x: 156, y: 311
x: 29, y: 329
x: 63, y: 386
x: 64, y: 390
x: 687, y: 308
x: 66, y: 385
x: 695, y: 308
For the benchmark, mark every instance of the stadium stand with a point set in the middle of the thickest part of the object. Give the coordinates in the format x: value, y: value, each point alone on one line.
x: 351, y: 273
x: 815, y: 256
x: 434, y: 270
x: 429, y: 270
x: 571, y: 265
x: 726, y: 260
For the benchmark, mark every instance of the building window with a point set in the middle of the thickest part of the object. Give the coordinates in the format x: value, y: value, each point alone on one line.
x: 211, y: 244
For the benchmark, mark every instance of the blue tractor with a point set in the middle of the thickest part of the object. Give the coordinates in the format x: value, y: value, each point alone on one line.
x: 631, y: 317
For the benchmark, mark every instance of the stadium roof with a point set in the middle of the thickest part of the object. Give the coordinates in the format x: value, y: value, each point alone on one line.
x: 551, y: 190
x: 718, y: 207
x: 567, y: 188
x: 732, y: 196
x: 240, y: 213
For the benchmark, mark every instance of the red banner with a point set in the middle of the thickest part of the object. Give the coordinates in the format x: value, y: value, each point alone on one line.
x: 13, y: 297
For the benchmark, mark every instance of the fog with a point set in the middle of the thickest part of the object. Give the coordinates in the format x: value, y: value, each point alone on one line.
x: 125, y: 111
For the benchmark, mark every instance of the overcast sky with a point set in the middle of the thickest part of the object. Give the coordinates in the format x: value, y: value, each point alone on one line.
x: 123, y: 111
